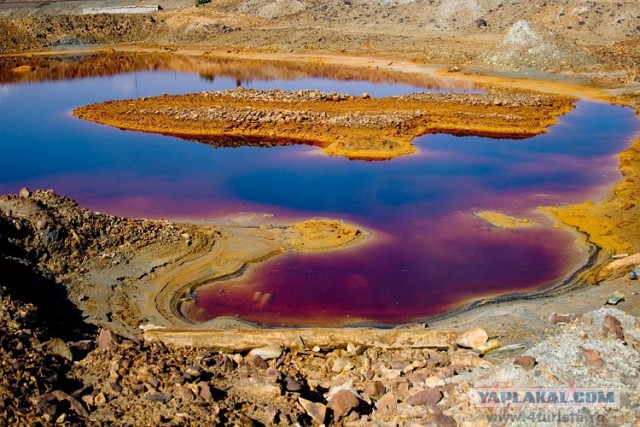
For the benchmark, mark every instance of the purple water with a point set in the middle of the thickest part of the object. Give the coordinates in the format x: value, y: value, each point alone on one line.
x: 428, y: 253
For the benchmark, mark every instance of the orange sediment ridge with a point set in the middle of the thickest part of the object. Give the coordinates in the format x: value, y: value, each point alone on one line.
x: 356, y: 127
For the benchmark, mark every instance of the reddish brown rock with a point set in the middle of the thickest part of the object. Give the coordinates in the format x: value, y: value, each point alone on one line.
x: 183, y: 392
x: 527, y: 362
x: 257, y: 361
x: 611, y: 325
x: 106, y: 340
x: 387, y: 404
x: 317, y: 411
x: 428, y: 396
x: 292, y: 385
x: 342, y: 403
x: 205, y: 391
x: 593, y: 358
x: 556, y: 318
x: 374, y: 389
x: 437, y: 419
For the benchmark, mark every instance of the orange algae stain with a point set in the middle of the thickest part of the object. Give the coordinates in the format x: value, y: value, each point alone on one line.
x: 611, y: 223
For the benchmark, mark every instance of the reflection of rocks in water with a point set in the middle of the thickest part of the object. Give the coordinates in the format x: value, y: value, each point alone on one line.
x: 69, y: 42
x: 242, y: 71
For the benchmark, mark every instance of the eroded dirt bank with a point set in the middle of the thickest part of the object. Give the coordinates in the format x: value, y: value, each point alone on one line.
x: 343, y: 125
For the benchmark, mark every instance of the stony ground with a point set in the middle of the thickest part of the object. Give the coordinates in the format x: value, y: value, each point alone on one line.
x: 83, y: 376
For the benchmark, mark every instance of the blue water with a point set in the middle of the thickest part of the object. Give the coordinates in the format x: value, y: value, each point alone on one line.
x: 434, y: 255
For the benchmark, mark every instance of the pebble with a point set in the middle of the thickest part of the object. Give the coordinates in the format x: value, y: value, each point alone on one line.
x: 468, y: 358
x: 292, y: 385
x: 257, y: 361
x: 374, y: 389
x: 205, y: 391
x: 159, y: 397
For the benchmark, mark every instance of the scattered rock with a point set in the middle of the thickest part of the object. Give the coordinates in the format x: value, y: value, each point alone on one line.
x: 374, y: 389
x: 257, y: 361
x: 317, y: 411
x: 473, y: 338
x: 527, y: 362
x: 106, y: 340
x: 159, y: 397
x: 204, y: 391
x: 60, y: 395
x: 593, y: 358
x: 267, y: 353
x: 342, y: 403
x: 59, y: 347
x: 467, y: 358
x: 556, y: 318
x: 428, y: 396
x: 612, y: 325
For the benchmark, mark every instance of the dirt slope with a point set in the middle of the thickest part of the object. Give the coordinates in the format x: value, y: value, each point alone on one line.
x: 446, y: 31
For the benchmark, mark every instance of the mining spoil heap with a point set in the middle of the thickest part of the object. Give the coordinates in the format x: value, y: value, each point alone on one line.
x: 356, y: 127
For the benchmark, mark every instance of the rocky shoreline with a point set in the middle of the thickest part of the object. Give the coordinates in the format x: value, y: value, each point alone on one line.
x: 64, y: 363
x: 98, y: 378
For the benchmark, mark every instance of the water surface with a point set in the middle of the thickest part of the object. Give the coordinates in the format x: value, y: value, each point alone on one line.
x: 428, y: 253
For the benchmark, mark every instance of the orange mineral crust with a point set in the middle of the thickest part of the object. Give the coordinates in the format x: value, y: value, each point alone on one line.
x: 356, y: 127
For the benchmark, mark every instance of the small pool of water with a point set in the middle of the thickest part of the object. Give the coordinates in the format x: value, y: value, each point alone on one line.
x: 428, y: 254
